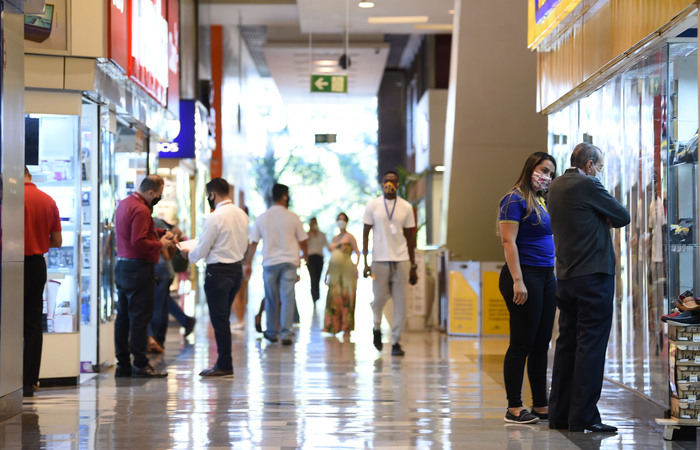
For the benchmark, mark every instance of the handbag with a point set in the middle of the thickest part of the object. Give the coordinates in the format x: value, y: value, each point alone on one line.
x: 179, y: 262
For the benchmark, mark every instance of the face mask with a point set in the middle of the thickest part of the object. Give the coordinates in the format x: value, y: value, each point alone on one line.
x: 598, y: 176
x: 155, y: 201
x: 341, y: 224
x: 389, y: 188
x: 211, y: 201
x: 540, y: 182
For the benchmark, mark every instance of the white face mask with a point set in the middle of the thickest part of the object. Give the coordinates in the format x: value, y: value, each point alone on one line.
x: 341, y: 224
x: 599, y: 176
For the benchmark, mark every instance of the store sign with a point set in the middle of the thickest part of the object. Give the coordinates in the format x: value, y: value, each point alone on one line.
x: 174, y: 57
x: 543, y: 7
x: 193, y: 132
x: 118, y: 45
x: 148, y: 62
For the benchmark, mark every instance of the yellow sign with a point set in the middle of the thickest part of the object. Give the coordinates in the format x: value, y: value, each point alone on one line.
x: 463, y: 306
x: 495, y: 317
x: 536, y: 31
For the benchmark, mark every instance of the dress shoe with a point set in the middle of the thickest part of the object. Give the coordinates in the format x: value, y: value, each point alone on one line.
x: 558, y: 426
x: 258, y: 323
x: 271, y: 339
x: 396, y: 350
x: 152, y: 346
x: 595, y: 428
x: 122, y: 371
x: 189, y: 325
x: 377, y: 339
x: 28, y: 391
x: 147, y: 372
x: 216, y: 372
x: 286, y: 341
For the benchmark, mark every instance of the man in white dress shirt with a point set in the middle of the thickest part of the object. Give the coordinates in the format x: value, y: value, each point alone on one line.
x: 393, y: 262
x: 223, y: 244
x: 283, y: 237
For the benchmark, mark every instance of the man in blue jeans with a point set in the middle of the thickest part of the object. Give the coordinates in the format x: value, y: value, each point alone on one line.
x: 283, y: 237
x: 223, y: 245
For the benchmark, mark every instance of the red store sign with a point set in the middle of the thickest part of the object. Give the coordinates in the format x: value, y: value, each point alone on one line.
x: 141, y: 37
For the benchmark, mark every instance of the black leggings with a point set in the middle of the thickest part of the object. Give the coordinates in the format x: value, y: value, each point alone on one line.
x: 530, y: 332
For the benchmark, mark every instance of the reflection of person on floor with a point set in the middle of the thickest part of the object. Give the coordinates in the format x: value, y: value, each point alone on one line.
x: 342, y: 281
x: 582, y: 212
x: 391, y: 220
x: 283, y: 237
x: 222, y: 245
x: 162, y: 303
x: 316, y: 243
x: 42, y: 230
x: 139, y: 244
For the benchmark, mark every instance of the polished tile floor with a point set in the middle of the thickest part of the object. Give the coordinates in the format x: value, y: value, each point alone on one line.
x: 322, y: 392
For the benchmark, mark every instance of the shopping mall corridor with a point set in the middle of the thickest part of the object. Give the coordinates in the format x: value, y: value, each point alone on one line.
x: 322, y: 392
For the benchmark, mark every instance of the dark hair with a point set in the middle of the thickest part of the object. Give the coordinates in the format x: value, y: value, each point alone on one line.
x: 583, y: 153
x: 388, y: 172
x: 151, y: 183
x: 524, y: 183
x: 313, y: 219
x: 278, y: 190
x: 343, y: 214
x: 218, y: 186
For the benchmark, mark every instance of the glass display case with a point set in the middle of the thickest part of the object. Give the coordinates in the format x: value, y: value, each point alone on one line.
x: 56, y: 169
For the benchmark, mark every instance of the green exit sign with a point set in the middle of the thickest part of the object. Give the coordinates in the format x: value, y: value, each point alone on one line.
x: 329, y: 83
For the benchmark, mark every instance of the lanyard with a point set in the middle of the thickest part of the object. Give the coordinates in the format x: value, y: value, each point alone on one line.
x: 392, y: 209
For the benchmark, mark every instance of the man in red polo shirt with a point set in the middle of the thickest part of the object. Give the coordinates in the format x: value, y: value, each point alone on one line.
x: 139, y: 244
x: 42, y: 230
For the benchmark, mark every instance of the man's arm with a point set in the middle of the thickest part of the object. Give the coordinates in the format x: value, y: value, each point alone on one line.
x: 303, y: 245
x: 410, y: 235
x: 249, y: 258
x: 604, y: 203
x: 365, y: 242
x: 55, y: 239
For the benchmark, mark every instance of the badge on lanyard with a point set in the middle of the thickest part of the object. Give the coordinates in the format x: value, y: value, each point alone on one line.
x: 392, y: 227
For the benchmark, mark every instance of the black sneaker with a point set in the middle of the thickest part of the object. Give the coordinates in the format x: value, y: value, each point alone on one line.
x: 377, y: 339
x: 396, y: 350
x: 524, y: 417
x: 685, y: 318
x: 541, y: 416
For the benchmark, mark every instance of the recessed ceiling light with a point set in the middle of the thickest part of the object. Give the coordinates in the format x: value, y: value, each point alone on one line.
x: 397, y: 20
x: 325, y: 62
x: 366, y: 4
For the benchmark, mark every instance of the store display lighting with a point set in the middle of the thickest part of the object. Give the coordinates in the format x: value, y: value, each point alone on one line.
x: 366, y: 4
x: 439, y: 168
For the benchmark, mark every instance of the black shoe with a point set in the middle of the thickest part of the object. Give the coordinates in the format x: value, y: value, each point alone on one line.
x: 274, y: 339
x: 189, y: 325
x: 216, y: 372
x: 28, y: 391
x: 685, y: 318
x: 396, y: 350
x: 258, y: 323
x: 122, y: 371
x: 377, y: 339
x: 286, y: 342
x: 147, y: 372
x: 523, y: 417
x: 541, y: 416
x: 596, y: 428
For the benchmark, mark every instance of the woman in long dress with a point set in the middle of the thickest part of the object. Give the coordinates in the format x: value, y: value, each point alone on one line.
x: 341, y: 278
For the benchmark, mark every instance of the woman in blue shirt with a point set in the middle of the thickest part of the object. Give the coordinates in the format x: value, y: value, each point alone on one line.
x: 527, y: 284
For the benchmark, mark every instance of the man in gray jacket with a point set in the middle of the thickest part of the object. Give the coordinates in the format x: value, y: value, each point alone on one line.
x: 582, y: 212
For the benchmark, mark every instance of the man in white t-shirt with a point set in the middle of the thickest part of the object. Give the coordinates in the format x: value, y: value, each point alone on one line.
x: 283, y: 236
x: 222, y: 244
x: 393, y: 261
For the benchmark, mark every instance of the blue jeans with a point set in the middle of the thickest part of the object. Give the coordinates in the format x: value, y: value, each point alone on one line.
x: 221, y: 285
x: 279, y: 294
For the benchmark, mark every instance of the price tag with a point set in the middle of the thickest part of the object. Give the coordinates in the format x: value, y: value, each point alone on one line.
x: 691, y: 398
x: 696, y: 337
x: 683, y: 360
x: 685, y: 416
x: 697, y: 360
x: 693, y: 379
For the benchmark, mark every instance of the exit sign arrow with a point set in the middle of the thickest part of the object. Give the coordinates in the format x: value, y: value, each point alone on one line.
x: 320, y: 84
x: 337, y: 84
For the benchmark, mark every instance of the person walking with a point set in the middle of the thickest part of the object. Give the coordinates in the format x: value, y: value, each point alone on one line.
x: 223, y: 244
x: 528, y: 286
x: 42, y: 230
x: 283, y: 237
x: 582, y: 212
x: 139, y: 245
x: 393, y: 258
x: 341, y: 278
x: 314, y: 263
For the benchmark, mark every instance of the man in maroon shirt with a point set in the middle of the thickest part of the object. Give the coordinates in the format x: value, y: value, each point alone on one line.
x: 139, y: 244
x: 42, y: 230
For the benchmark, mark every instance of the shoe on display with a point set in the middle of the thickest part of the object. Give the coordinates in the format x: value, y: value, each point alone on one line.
x: 147, y: 372
x: 523, y: 417
x: 396, y: 350
x: 189, y: 325
x: 377, y: 339
x: 216, y: 372
x: 675, y: 313
x: 685, y: 318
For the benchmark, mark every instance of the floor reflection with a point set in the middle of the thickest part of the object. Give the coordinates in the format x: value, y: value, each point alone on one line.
x: 322, y: 392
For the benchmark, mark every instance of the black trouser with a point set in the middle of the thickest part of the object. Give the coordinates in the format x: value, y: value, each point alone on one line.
x: 136, y: 284
x: 585, y: 316
x: 221, y: 286
x: 158, y: 326
x: 530, y: 332
x: 315, y: 266
x: 34, y: 281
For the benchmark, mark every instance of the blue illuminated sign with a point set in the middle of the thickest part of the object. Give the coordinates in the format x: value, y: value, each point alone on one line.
x: 184, y: 144
x: 543, y: 7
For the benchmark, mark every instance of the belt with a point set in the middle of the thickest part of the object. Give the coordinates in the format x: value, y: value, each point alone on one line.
x: 224, y: 264
x: 119, y: 258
